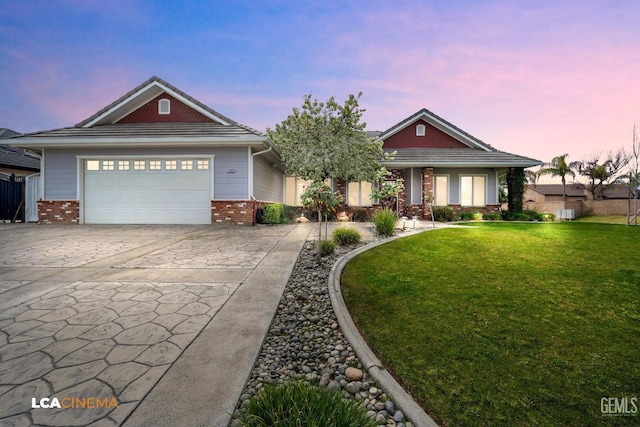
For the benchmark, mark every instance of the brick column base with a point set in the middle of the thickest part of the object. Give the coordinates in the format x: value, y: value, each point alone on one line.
x: 58, y: 211
x: 239, y: 212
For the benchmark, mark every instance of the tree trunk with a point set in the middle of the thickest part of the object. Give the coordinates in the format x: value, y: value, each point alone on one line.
x: 319, y: 233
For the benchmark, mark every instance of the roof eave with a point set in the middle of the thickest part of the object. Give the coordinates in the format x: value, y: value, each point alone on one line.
x: 494, y: 165
x: 140, y: 142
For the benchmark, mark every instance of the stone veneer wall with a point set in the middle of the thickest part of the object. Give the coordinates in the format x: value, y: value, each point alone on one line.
x: 239, y: 212
x: 58, y: 211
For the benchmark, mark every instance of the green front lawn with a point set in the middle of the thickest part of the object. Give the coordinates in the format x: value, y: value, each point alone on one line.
x: 506, y: 324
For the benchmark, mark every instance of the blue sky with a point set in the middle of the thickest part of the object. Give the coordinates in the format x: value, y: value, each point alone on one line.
x: 537, y: 78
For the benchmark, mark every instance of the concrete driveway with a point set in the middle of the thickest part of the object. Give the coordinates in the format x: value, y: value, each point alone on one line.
x: 143, y: 325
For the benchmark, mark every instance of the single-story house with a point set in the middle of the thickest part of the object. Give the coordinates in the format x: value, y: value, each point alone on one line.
x: 444, y: 165
x: 14, y: 160
x: 157, y: 155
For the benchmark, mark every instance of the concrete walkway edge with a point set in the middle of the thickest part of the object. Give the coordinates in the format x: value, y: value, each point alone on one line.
x: 369, y: 360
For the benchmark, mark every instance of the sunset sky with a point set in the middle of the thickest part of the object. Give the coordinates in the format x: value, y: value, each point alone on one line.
x: 536, y: 78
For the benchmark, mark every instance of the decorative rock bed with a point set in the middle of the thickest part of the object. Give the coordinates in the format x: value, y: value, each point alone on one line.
x: 305, y: 343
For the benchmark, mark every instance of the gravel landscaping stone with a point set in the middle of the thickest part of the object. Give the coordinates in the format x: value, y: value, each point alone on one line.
x: 306, y: 343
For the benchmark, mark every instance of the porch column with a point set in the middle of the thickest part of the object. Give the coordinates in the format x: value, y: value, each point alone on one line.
x: 427, y: 190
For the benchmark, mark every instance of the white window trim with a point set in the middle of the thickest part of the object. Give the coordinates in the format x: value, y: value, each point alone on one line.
x: 161, y: 102
x: 421, y: 130
x: 486, y: 189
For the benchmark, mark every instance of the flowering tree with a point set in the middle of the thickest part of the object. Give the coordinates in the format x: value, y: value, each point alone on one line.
x: 324, y: 140
x: 327, y: 140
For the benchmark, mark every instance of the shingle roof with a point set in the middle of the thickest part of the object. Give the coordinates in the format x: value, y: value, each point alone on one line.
x: 16, y: 158
x: 458, y: 157
x: 151, y: 130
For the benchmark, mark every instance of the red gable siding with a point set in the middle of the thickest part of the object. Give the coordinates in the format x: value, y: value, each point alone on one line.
x: 180, y: 113
x: 433, y: 138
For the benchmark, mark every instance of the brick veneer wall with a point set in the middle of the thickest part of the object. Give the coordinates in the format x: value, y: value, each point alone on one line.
x: 239, y: 212
x: 474, y: 209
x: 58, y: 211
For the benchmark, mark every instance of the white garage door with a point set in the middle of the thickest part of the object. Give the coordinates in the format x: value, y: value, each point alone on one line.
x: 147, y: 191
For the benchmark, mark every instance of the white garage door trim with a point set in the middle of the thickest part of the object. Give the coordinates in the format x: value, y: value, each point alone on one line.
x: 185, y: 179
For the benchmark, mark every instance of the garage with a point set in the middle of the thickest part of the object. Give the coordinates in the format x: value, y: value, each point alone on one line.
x: 147, y: 190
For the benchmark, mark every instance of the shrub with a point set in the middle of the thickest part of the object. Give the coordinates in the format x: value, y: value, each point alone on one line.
x: 533, y: 215
x: 274, y: 214
x: 301, y: 404
x: 327, y: 247
x: 360, y: 214
x: 491, y: 216
x: 548, y: 217
x: 519, y: 216
x: 384, y: 221
x: 346, y: 236
x: 443, y: 213
x: 467, y: 216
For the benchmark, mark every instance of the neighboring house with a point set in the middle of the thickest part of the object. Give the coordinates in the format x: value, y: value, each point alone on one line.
x: 16, y: 160
x: 442, y: 164
x: 542, y: 193
x: 547, y: 198
x: 155, y: 156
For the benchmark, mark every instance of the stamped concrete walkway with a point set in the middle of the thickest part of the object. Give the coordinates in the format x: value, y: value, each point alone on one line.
x: 166, y: 320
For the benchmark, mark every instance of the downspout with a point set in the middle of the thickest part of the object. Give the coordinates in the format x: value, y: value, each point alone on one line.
x: 251, y: 196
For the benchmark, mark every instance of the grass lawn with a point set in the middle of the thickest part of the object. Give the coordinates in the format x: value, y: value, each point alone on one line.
x: 604, y: 219
x: 504, y: 323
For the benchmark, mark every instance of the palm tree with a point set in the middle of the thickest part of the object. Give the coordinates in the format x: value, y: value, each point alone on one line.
x: 532, y: 177
x: 559, y: 167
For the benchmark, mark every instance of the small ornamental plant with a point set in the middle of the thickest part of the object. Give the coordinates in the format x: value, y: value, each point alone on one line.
x: 384, y: 222
x: 327, y: 247
x: 301, y: 404
x: 346, y: 236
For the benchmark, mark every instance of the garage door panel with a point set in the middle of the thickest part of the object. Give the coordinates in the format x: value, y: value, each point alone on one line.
x: 147, y: 196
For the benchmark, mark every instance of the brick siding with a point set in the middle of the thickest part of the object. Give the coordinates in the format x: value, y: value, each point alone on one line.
x: 58, y: 211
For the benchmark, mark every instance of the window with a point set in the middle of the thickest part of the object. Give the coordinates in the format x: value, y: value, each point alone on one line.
x: 123, y: 165
x: 420, y: 130
x: 203, y: 164
x: 186, y: 165
x: 359, y: 193
x: 171, y: 165
x: 441, y: 196
x: 107, y: 165
x: 473, y: 190
x: 164, y: 106
x: 294, y: 187
x: 139, y: 165
x: 155, y: 165
x: 93, y: 165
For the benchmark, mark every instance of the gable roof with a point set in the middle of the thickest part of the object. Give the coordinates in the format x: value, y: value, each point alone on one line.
x: 479, y: 154
x: 103, y: 130
x: 144, y: 93
x: 440, y: 124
